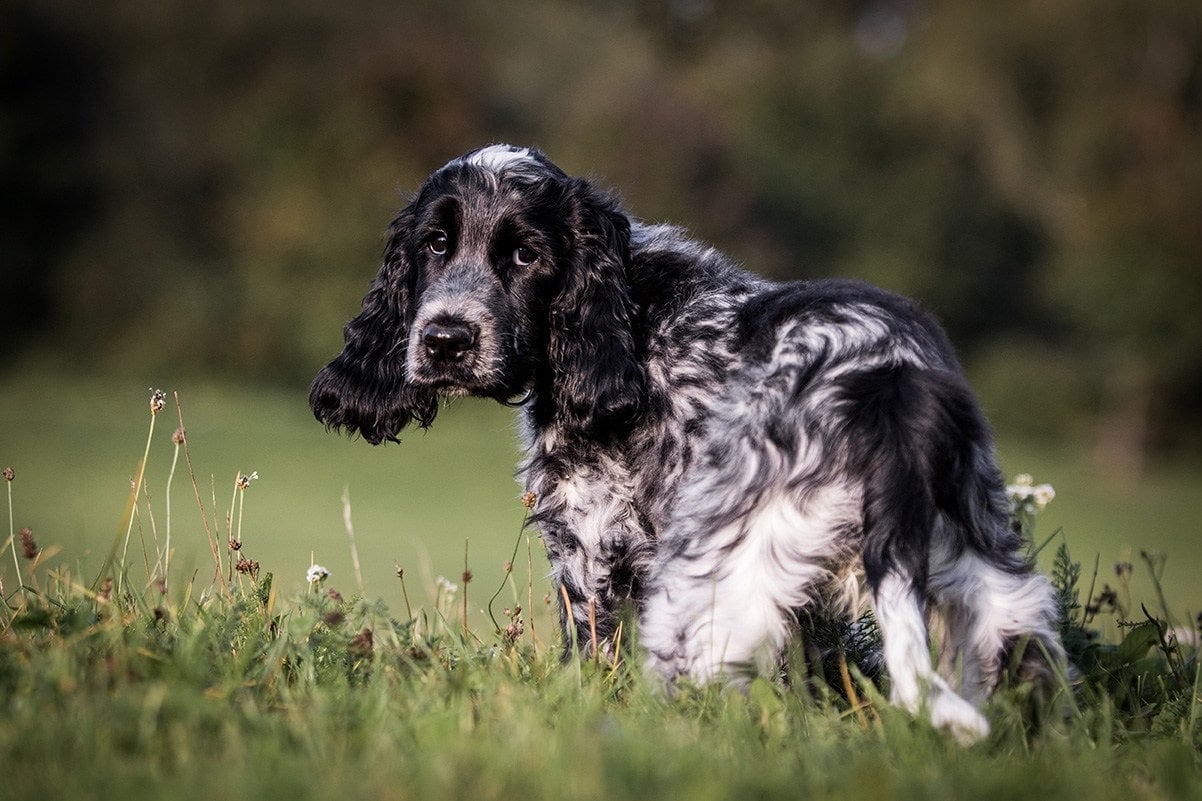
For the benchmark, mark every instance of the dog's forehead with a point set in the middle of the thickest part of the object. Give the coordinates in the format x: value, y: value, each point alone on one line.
x: 508, y: 161
x: 498, y: 158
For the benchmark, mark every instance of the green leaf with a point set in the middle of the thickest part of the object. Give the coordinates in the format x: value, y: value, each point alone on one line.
x: 1139, y: 640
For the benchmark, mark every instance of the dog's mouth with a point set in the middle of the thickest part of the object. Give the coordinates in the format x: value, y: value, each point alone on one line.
x: 476, y: 372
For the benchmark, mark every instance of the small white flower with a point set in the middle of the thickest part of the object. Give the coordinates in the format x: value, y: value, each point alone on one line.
x: 1025, y: 495
x: 316, y: 574
x: 1043, y: 495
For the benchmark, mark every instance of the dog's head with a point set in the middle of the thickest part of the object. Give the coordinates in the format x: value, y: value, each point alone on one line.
x: 504, y: 276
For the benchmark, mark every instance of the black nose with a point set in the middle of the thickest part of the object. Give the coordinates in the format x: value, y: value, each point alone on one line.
x: 447, y: 342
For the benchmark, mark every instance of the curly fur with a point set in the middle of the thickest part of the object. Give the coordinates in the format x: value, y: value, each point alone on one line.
x: 720, y: 450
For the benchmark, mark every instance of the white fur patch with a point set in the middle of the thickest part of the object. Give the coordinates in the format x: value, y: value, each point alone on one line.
x: 775, y: 560
x: 498, y: 158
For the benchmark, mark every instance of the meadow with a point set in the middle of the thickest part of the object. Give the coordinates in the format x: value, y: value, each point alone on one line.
x: 400, y: 679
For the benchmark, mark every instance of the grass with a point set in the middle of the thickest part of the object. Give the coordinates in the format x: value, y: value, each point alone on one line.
x: 268, y: 686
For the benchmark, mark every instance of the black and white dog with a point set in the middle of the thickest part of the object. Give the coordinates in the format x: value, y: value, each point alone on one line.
x: 720, y: 449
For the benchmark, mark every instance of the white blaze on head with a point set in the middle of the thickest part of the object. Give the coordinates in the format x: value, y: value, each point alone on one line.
x: 498, y: 157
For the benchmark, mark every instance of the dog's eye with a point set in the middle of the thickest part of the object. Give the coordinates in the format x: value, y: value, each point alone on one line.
x: 437, y: 243
x: 524, y: 257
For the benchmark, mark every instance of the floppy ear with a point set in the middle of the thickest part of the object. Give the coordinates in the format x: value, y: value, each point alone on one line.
x: 364, y: 389
x: 598, y: 382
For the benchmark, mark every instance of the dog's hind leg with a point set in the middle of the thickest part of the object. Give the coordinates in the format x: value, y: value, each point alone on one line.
x: 914, y: 684
x: 997, y: 608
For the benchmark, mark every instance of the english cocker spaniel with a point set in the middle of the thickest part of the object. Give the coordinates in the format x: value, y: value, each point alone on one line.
x: 720, y: 449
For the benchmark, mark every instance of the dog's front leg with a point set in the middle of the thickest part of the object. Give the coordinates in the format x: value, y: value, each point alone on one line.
x: 599, y: 552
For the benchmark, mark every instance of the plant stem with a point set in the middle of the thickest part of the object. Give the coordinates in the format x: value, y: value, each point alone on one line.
x: 350, y: 535
x: 12, y: 537
x: 167, y: 543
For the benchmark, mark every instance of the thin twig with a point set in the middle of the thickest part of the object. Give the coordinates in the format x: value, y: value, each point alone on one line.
x: 177, y: 438
x: 508, y: 570
x: 204, y: 518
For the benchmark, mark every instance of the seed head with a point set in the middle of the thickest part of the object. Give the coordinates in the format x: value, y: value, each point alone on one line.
x: 528, y: 499
x: 244, y: 480
x: 247, y: 566
x: 179, y: 436
x: 361, y: 645
x: 28, y: 546
x: 9, y: 475
x: 158, y: 399
x: 316, y: 574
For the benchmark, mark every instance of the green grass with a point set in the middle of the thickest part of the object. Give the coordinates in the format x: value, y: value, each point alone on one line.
x: 271, y: 688
x: 75, y: 447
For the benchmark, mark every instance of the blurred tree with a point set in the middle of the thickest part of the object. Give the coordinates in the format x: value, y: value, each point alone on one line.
x: 50, y: 96
x: 205, y: 188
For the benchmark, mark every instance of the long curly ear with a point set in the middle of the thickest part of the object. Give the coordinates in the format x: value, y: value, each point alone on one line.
x: 598, y: 381
x: 364, y: 389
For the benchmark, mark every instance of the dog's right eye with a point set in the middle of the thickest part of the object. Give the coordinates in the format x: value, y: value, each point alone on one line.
x: 437, y: 243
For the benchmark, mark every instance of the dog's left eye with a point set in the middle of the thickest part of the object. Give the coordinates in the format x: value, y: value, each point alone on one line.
x: 524, y: 257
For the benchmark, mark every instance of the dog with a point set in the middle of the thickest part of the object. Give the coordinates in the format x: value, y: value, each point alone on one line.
x: 720, y: 450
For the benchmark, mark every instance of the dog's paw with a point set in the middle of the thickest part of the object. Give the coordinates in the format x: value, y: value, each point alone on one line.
x: 958, y: 717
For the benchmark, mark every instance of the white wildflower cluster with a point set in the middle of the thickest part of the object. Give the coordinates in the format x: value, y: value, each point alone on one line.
x: 316, y: 574
x: 1027, y: 496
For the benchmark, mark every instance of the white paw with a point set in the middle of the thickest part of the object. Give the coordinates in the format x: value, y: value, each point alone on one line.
x: 958, y: 717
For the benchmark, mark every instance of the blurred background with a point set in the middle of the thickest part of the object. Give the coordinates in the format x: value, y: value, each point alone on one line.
x: 194, y: 196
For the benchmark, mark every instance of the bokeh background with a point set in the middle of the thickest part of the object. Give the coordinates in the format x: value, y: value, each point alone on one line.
x: 194, y: 197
